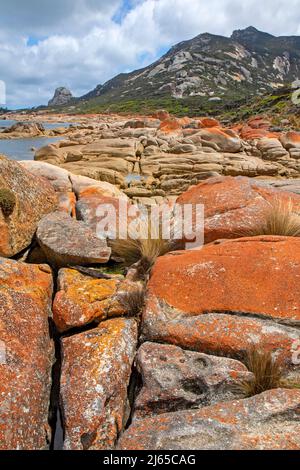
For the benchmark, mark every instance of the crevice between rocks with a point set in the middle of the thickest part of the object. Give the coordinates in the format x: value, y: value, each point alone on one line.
x: 55, y: 420
x: 134, y: 387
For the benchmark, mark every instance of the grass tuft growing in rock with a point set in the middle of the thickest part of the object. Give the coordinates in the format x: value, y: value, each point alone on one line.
x: 7, y: 201
x: 267, y: 373
x: 143, y: 250
x: 133, y: 301
x: 280, y: 218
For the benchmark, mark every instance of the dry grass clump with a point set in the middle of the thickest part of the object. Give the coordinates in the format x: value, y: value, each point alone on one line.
x: 133, y: 301
x: 145, y: 249
x: 267, y: 373
x: 7, y: 201
x: 280, y: 218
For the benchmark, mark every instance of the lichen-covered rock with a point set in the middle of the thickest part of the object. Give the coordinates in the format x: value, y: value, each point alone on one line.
x: 96, y: 370
x: 233, y: 205
x: 82, y: 299
x: 27, y: 354
x: 269, y: 421
x: 256, y: 275
x: 220, y: 333
x: 175, y: 379
x: 232, y: 295
x: 290, y: 140
x: 34, y: 197
x: 95, y: 209
x: 66, y: 241
x: 225, y: 140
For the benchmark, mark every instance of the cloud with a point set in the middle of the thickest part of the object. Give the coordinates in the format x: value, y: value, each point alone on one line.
x: 80, y: 43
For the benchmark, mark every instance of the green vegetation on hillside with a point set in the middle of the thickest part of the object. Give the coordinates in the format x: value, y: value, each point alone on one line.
x: 277, y: 107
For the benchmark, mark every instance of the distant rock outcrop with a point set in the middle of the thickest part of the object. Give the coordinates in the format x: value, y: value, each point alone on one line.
x: 61, y: 97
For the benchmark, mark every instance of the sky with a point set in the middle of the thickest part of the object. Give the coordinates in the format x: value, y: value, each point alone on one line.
x: 81, y: 43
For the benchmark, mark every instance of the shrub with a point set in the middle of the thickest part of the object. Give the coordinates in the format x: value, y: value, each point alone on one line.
x: 279, y: 219
x: 133, y: 301
x: 7, y: 201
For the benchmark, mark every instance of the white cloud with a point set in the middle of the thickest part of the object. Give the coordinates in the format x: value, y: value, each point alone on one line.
x: 86, y: 42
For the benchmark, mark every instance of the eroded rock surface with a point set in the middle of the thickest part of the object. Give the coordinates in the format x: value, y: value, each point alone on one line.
x: 175, y: 379
x: 169, y: 154
x: 264, y: 422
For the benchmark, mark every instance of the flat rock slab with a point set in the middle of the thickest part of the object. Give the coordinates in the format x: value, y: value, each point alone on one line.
x: 81, y: 299
x: 96, y: 370
x: 26, y: 355
x: 174, y: 379
x: 34, y: 197
x: 66, y: 241
x: 269, y: 421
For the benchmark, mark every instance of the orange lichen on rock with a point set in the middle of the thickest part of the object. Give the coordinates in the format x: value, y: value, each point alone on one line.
x: 259, y: 122
x: 233, y: 205
x: 267, y: 421
x: 174, y: 124
x: 208, y: 122
x: 265, y: 283
x: 34, y: 197
x: 26, y: 355
x: 233, y: 295
x: 290, y: 140
x: 95, y: 375
x: 82, y: 299
x: 248, y: 133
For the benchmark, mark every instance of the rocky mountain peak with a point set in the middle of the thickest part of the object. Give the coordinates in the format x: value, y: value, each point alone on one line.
x: 61, y: 97
x: 208, y: 68
x: 250, y: 36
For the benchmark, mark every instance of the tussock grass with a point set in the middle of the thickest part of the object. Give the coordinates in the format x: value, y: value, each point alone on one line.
x: 145, y: 249
x: 280, y: 218
x: 267, y: 371
x: 133, y: 301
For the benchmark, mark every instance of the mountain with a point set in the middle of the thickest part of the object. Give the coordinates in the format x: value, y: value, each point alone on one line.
x: 207, y: 70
